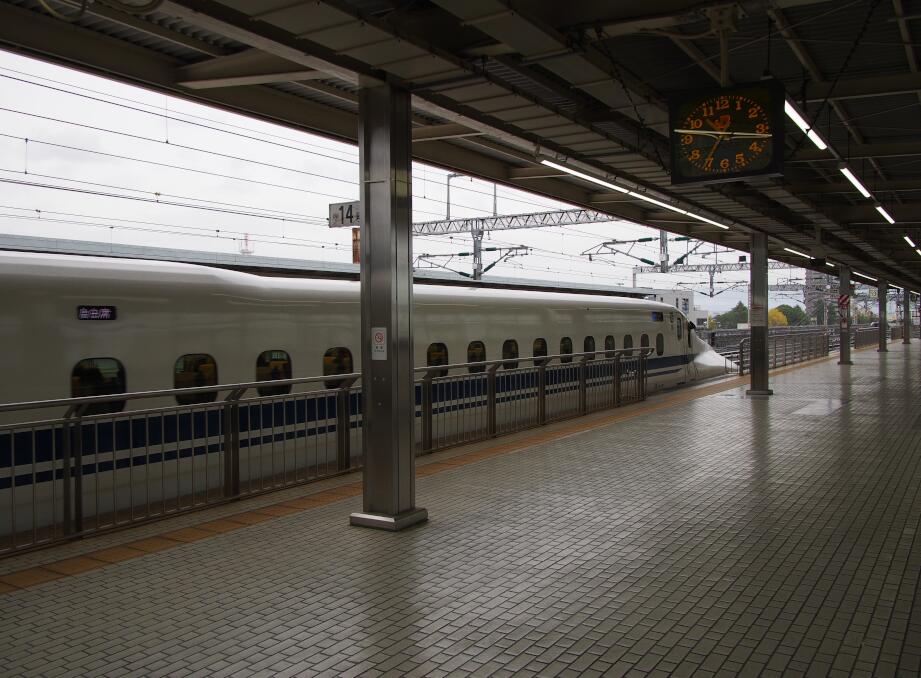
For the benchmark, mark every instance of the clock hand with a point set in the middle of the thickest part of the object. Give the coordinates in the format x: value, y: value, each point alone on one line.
x: 714, y: 134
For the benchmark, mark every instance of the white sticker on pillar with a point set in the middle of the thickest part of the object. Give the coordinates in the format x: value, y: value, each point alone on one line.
x: 378, y: 343
x: 758, y: 315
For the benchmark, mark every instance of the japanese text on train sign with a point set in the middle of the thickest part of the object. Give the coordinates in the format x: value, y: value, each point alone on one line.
x: 378, y: 343
x: 343, y: 214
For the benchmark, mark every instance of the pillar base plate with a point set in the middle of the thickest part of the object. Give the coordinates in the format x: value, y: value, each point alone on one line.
x: 759, y: 392
x: 845, y: 362
x: 393, y: 523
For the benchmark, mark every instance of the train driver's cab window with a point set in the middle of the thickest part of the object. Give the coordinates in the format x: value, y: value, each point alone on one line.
x: 660, y: 343
x: 588, y: 346
x: 510, y: 354
x: 539, y: 349
x: 609, y: 346
x: 628, y: 343
x: 566, y: 349
x: 680, y: 324
x: 337, y: 360
x: 437, y: 354
x: 271, y: 365
x: 476, y: 353
x: 644, y: 341
x: 195, y: 369
x: 99, y: 376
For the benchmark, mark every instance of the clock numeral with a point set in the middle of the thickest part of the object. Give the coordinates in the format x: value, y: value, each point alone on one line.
x: 754, y: 147
x: 740, y: 159
x: 754, y: 113
x: 738, y: 104
x: 708, y: 164
x: 707, y: 110
x: 695, y: 154
x: 724, y: 163
x: 761, y: 128
x: 722, y: 104
x: 687, y: 140
x: 696, y: 123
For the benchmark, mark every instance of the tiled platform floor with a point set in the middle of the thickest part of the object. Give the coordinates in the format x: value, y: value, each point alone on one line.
x: 722, y: 536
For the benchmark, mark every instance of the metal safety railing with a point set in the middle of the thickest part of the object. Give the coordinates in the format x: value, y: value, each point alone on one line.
x: 865, y: 336
x: 896, y: 331
x: 787, y: 349
x: 94, y: 467
x: 497, y: 397
x: 81, y: 465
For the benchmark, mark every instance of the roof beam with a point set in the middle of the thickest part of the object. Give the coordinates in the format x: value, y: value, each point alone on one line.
x: 862, y: 88
x: 446, y: 131
x: 902, y: 185
x: 859, y: 151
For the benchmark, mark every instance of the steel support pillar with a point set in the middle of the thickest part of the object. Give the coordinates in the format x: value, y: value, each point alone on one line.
x: 906, y: 316
x: 883, y: 293
x: 758, y: 316
x: 844, y: 316
x: 388, y: 396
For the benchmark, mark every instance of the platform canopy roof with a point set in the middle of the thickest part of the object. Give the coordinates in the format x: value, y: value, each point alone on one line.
x: 497, y: 86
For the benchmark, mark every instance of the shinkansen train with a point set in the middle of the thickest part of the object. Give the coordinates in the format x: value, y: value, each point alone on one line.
x: 83, y: 326
x: 79, y: 326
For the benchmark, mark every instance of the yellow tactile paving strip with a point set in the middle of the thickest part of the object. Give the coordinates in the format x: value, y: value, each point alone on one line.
x: 93, y: 560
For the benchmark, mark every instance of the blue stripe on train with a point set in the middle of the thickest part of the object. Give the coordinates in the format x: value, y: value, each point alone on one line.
x: 172, y: 429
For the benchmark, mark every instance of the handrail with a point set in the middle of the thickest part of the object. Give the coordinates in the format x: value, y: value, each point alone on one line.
x: 787, y: 349
x: 544, y: 359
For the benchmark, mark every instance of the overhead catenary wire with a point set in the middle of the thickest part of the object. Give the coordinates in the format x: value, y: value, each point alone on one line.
x: 158, y: 113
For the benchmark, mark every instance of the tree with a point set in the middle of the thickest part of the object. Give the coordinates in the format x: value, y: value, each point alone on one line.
x: 711, y: 322
x: 732, y: 318
x: 776, y: 318
x: 794, y: 314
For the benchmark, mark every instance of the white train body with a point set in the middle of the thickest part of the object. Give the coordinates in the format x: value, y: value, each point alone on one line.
x: 163, y: 311
x: 166, y: 310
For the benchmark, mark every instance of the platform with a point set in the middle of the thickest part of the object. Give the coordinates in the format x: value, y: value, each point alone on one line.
x: 699, y: 533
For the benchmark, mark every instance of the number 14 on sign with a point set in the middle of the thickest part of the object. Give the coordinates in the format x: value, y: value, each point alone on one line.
x: 344, y: 214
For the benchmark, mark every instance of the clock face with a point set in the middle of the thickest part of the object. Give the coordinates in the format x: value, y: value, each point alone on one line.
x: 725, y: 135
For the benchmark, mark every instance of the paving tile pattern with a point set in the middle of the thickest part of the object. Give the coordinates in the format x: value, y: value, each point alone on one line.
x: 724, y: 536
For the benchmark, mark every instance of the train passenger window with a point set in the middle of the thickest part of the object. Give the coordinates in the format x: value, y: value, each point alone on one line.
x: 195, y: 369
x: 588, y: 346
x: 644, y: 341
x: 476, y: 353
x: 337, y: 360
x: 437, y: 354
x: 510, y: 354
x: 539, y: 349
x: 628, y: 343
x: 271, y: 365
x: 99, y: 376
x: 565, y: 348
x: 609, y: 346
x: 660, y: 343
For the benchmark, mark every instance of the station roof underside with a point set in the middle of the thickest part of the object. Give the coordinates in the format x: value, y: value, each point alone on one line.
x: 497, y: 85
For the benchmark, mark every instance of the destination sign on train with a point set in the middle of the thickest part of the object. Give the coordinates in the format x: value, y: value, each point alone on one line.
x: 96, y: 312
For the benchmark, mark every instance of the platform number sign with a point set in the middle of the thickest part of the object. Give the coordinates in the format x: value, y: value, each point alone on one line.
x: 343, y: 214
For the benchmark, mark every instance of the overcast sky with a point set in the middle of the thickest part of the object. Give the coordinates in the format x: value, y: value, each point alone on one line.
x: 149, y: 169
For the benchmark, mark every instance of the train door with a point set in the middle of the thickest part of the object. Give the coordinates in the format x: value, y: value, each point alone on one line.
x: 687, y: 360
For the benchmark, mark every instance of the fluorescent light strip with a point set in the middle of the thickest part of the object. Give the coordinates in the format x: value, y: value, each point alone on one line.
x: 868, y: 277
x: 829, y: 264
x: 799, y: 254
x: 708, y: 221
x: 911, y: 243
x: 800, y: 121
x: 855, y: 181
x: 582, y: 175
x: 654, y: 201
x: 919, y: 252
x: 882, y: 210
x: 634, y: 194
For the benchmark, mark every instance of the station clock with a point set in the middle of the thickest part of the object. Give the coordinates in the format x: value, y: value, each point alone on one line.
x: 727, y: 134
